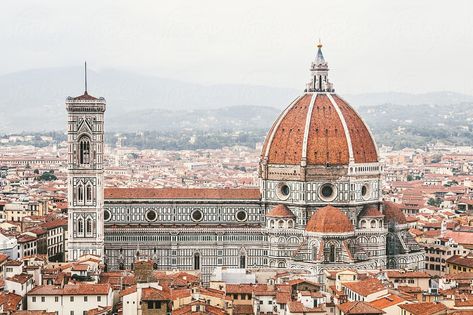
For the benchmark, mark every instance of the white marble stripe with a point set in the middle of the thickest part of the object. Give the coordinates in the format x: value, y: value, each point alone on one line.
x: 307, y: 126
x: 363, y: 121
x: 271, y: 136
x: 345, y: 128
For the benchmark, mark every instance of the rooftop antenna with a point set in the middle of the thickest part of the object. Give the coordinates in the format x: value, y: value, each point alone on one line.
x: 85, y: 77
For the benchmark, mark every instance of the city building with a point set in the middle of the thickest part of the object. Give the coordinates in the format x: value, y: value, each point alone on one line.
x: 319, y: 205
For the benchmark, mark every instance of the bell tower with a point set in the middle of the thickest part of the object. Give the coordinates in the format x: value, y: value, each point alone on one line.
x: 85, y: 146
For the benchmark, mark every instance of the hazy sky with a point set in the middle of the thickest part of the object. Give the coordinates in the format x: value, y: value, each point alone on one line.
x: 371, y: 46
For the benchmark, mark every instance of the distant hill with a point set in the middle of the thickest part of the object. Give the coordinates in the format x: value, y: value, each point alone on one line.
x: 397, y: 98
x: 34, y: 101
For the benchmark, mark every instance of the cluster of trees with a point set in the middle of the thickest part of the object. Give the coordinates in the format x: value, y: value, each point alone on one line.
x: 416, y: 126
x: 190, y: 139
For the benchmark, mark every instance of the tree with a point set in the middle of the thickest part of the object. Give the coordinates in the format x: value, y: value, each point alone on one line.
x: 47, y: 176
x: 410, y: 178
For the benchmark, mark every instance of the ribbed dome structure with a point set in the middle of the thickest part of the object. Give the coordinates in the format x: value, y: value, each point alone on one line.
x: 319, y: 129
x: 280, y: 211
x: 393, y: 213
x: 329, y: 220
x: 370, y: 211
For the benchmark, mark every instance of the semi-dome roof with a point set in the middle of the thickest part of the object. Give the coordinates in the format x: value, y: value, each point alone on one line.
x: 280, y: 211
x: 321, y: 129
x: 329, y: 220
x: 393, y: 213
x: 370, y: 211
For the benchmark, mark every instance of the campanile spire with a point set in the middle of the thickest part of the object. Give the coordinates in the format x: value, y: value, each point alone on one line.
x: 319, y: 81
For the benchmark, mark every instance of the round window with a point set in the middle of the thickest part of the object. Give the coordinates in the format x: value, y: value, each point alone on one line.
x: 241, y: 215
x: 107, y: 215
x: 365, y: 189
x: 151, y: 215
x: 283, y: 191
x: 197, y: 215
x: 327, y: 192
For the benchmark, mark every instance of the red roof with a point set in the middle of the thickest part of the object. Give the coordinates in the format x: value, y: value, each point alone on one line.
x: 392, y: 212
x: 329, y: 220
x: 427, y: 308
x: 327, y: 142
x: 280, y: 211
x: 85, y: 97
x: 365, y: 287
x: 360, y: 308
x: 387, y: 301
x: 371, y: 211
x: 153, y: 294
x: 72, y: 289
x: 181, y: 193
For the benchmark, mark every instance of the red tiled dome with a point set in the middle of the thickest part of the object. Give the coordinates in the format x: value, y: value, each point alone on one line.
x: 370, y: 211
x: 329, y: 220
x: 393, y: 213
x: 280, y: 211
x: 335, y: 134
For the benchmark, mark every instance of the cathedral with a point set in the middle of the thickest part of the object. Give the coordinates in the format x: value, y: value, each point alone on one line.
x: 319, y: 204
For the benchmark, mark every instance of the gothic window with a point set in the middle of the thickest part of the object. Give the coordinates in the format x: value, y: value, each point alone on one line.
x: 332, y: 253
x: 242, y: 261
x: 88, y: 226
x: 373, y: 224
x: 80, y: 226
x: 88, y: 193
x: 280, y: 224
x: 196, y: 261
x: 80, y: 192
x: 84, y: 150
x: 290, y: 224
x: 363, y: 224
x: 271, y: 224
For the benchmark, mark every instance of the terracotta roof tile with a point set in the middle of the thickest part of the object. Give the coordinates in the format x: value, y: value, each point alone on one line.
x: 326, y: 142
x: 393, y: 213
x: 427, y: 308
x: 153, y: 294
x: 280, y: 211
x: 387, y: 301
x: 359, y: 307
x: 181, y: 193
x: 365, y: 287
x: 329, y: 220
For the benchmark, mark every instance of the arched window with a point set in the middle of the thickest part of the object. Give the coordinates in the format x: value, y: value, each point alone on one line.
x: 290, y: 224
x: 373, y: 224
x: 80, y: 226
x: 88, y: 226
x: 363, y: 224
x: 196, y: 261
x: 80, y: 192
x: 242, y: 260
x: 271, y: 224
x: 280, y: 224
x: 84, y: 150
x: 88, y: 193
x: 330, y: 253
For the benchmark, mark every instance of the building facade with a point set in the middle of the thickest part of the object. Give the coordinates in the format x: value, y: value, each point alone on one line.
x: 85, y: 140
x: 318, y: 207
